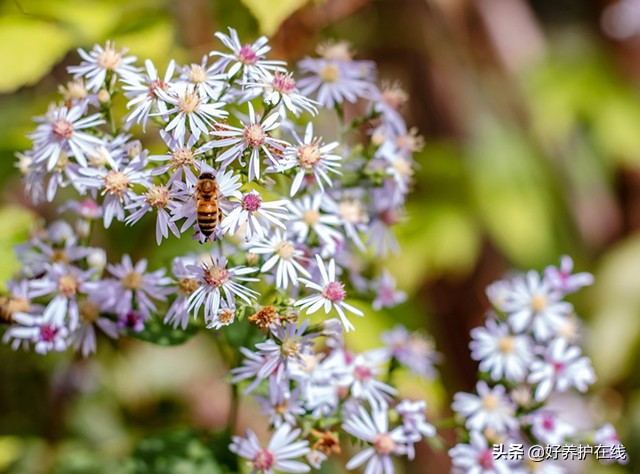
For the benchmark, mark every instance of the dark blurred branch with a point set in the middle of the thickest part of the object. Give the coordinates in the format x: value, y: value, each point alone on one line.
x: 299, y: 33
x: 195, y: 24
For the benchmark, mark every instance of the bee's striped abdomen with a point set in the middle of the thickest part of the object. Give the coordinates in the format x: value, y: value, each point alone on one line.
x: 207, y: 211
x: 208, y: 216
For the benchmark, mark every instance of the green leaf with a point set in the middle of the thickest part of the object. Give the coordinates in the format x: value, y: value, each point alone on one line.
x: 177, y: 452
x: 154, y: 41
x: 156, y: 332
x: 87, y: 21
x: 514, y: 195
x: 616, y: 306
x: 10, y: 449
x: 15, y: 223
x: 28, y: 50
x: 439, y: 238
x: 271, y: 13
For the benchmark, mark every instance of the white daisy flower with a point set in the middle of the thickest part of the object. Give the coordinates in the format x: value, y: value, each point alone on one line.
x: 413, y: 350
x: 386, y: 294
x: 254, y: 137
x: 135, y: 288
x: 158, y: 198
x: 331, y: 294
x: 116, y: 185
x: 280, y: 90
x: 353, y: 217
x: 281, y: 254
x: 178, y: 313
x: 217, y: 282
x: 333, y: 81
x: 192, y: 111
x: 255, y: 216
x: 563, y: 280
x: 83, y: 337
x: 306, y: 216
x: 477, y: 458
x: 39, y: 331
x: 312, y: 159
x: 381, y: 443
x: 280, y: 454
x: 206, y: 78
x: 142, y: 92
x: 282, y: 405
x: 549, y: 428
x: 60, y: 136
x: 225, y: 316
x: 562, y: 367
x: 533, y: 304
x: 98, y: 62
x: 489, y: 409
x: 249, y: 59
x: 180, y: 160
x: 501, y: 353
x: 361, y: 378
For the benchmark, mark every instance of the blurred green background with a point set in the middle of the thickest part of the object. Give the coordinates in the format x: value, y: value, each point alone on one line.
x: 531, y: 119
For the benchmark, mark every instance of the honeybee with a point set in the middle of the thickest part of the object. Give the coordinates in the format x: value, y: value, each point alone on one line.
x: 207, y: 210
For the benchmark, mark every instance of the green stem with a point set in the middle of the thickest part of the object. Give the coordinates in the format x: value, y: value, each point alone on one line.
x: 233, y: 409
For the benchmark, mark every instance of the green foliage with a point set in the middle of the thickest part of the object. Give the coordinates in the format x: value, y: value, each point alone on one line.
x: 513, y: 194
x: 177, y: 452
x: 15, y: 223
x: 442, y: 237
x: 581, y: 87
x: 156, y: 332
x: 271, y: 13
x: 615, y: 306
x: 43, y: 44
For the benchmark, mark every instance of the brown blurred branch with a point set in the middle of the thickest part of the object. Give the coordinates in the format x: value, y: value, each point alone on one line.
x: 299, y: 33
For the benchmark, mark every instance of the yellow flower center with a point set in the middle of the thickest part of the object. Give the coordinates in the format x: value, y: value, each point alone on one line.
x: 197, y: 74
x: 290, y: 347
x: 329, y: 73
x: 311, y: 217
x: 189, y: 102
x: 158, y: 196
x: 186, y: 286
x: 490, y: 402
x: 182, y: 157
x: 68, y: 285
x: 506, y: 345
x: 132, y: 281
x: 352, y: 211
x: 116, y: 182
x: 538, y: 303
x: 285, y: 250
x: 309, y: 155
x: 109, y: 58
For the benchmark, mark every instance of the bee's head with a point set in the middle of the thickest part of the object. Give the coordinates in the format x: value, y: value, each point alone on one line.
x: 207, y: 175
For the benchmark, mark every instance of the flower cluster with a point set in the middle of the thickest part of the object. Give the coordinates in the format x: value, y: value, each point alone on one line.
x: 530, y: 368
x: 286, y: 209
x: 329, y: 390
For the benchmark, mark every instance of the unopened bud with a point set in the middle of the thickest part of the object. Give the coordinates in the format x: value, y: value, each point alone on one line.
x: 134, y: 149
x: 97, y: 258
x: 252, y: 259
x: 103, y: 96
x: 82, y: 228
